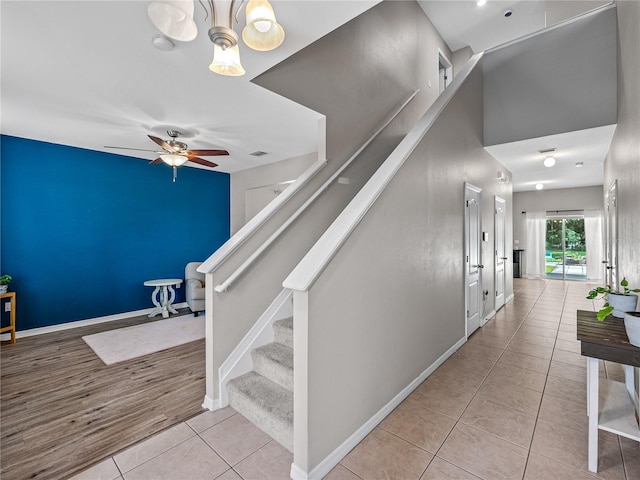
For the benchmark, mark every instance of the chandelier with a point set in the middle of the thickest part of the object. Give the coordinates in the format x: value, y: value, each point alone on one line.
x: 174, y: 18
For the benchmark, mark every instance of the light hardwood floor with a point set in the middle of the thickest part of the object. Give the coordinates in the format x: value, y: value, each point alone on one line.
x: 62, y: 409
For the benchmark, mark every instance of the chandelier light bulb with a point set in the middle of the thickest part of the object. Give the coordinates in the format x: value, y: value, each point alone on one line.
x: 263, y: 32
x: 226, y: 61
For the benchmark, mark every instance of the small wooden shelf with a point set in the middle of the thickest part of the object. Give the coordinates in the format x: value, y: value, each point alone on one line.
x: 12, y: 316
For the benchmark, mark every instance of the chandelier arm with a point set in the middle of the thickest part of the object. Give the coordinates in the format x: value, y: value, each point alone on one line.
x: 206, y: 12
x: 238, y: 10
x: 233, y: 2
x: 213, y: 13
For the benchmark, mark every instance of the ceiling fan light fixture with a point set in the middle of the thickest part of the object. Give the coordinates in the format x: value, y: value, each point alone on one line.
x: 174, y: 160
x: 262, y: 32
x: 174, y: 18
x: 226, y: 61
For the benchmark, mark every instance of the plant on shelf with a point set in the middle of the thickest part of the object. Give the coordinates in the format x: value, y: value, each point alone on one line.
x: 4, y: 282
x: 608, y: 293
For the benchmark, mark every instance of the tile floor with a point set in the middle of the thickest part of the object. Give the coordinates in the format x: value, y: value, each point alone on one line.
x: 510, y: 404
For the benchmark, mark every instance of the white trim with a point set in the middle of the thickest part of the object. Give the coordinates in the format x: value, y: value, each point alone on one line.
x: 247, y: 230
x: 211, y: 403
x: 239, y: 361
x: 509, y: 298
x: 488, y: 317
x: 274, y: 236
x: 314, y: 262
x: 84, y: 323
x: 327, y: 464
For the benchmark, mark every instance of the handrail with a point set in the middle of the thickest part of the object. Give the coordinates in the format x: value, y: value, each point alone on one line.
x: 314, y: 262
x: 248, y: 229
x: 258, y: 252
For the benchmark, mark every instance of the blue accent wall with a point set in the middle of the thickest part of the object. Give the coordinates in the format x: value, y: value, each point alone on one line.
x: 82, y: 230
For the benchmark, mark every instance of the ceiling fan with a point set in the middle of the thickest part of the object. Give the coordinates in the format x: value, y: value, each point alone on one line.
x: 175, y: 153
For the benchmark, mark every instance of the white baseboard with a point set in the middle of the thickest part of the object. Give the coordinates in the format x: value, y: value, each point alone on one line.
x: 83, y: 323
x: 488, y: 317
x: 509, y: 298
x: 326, y: 465
x: 211, y: 403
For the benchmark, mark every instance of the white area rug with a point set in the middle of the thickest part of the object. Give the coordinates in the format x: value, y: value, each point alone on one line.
x: 126, y: 343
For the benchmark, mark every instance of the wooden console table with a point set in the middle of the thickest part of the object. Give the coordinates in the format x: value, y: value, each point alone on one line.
x: 610, y: 405
x: 12, y: 316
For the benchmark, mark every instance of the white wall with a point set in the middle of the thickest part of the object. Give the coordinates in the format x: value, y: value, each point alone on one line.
x: 583, y: 198
x: 270, y: 174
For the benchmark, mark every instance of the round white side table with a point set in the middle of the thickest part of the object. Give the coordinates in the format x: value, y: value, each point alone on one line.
x: 163, y: 295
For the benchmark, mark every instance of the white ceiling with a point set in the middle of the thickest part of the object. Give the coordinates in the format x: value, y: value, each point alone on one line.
x: 85, y: 74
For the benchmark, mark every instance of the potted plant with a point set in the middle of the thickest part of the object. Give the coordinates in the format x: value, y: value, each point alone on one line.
x: 632, y: 326
x: 616, y: 302
x: 4, y: 283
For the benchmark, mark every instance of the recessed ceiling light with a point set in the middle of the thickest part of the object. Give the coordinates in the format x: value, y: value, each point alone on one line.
x: 579, y: 164
x: 481, y: 2
x: 258, y: 153
x: 549, y: 162
x: 539, y: 186
x: 508, y: 13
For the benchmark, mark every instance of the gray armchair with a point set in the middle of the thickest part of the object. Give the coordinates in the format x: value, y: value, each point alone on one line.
x: 194, y: 287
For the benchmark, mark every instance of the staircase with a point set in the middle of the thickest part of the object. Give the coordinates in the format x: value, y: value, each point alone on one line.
x: 265, y: 395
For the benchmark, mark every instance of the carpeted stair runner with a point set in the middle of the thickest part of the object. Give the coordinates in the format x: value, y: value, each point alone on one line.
x: 265, y: 395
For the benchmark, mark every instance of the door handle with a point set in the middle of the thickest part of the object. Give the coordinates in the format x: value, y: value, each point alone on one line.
x: 505, y: 258
x: 605, y: 261
x: 479, y: 266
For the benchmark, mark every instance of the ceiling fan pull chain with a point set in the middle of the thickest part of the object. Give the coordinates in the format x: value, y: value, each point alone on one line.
x: 175, y: 173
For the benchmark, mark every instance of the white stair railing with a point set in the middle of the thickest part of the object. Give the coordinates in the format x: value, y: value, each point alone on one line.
x: 222, y: 287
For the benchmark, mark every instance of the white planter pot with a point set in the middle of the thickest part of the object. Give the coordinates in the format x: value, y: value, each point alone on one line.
x: 632, y: 325
x: 4, y: 288
x: 622, y: 303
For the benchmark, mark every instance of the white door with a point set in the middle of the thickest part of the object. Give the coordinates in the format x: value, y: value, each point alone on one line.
x: 500, y: 211
x: 445, y: 72
x: 611, y: 235
x: 473, y: 257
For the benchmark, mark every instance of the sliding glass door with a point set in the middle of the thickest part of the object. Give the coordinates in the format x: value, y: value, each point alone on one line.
x: 566, y: 251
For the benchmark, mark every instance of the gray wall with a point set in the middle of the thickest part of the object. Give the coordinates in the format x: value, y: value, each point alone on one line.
x: 270, y: 174
x: 391, y: 302
x: 623, y: 160
x: 356, y: 77
x: 584, y: 198
x: 559, y: 81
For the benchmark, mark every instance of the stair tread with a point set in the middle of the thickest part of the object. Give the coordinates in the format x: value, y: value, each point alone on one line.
x: 266, y: 394
x: 276, y: 352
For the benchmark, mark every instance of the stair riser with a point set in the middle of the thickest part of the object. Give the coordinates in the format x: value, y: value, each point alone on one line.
x: 279, y: 430
x: 283, y: 336
x: 273, y: 371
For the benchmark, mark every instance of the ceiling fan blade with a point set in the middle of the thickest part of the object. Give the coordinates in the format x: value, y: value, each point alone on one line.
x: 156, y: 161
x: 202, y: 161
x: 127, y: 148
x: 160, y: 142
x: 208, y: 153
